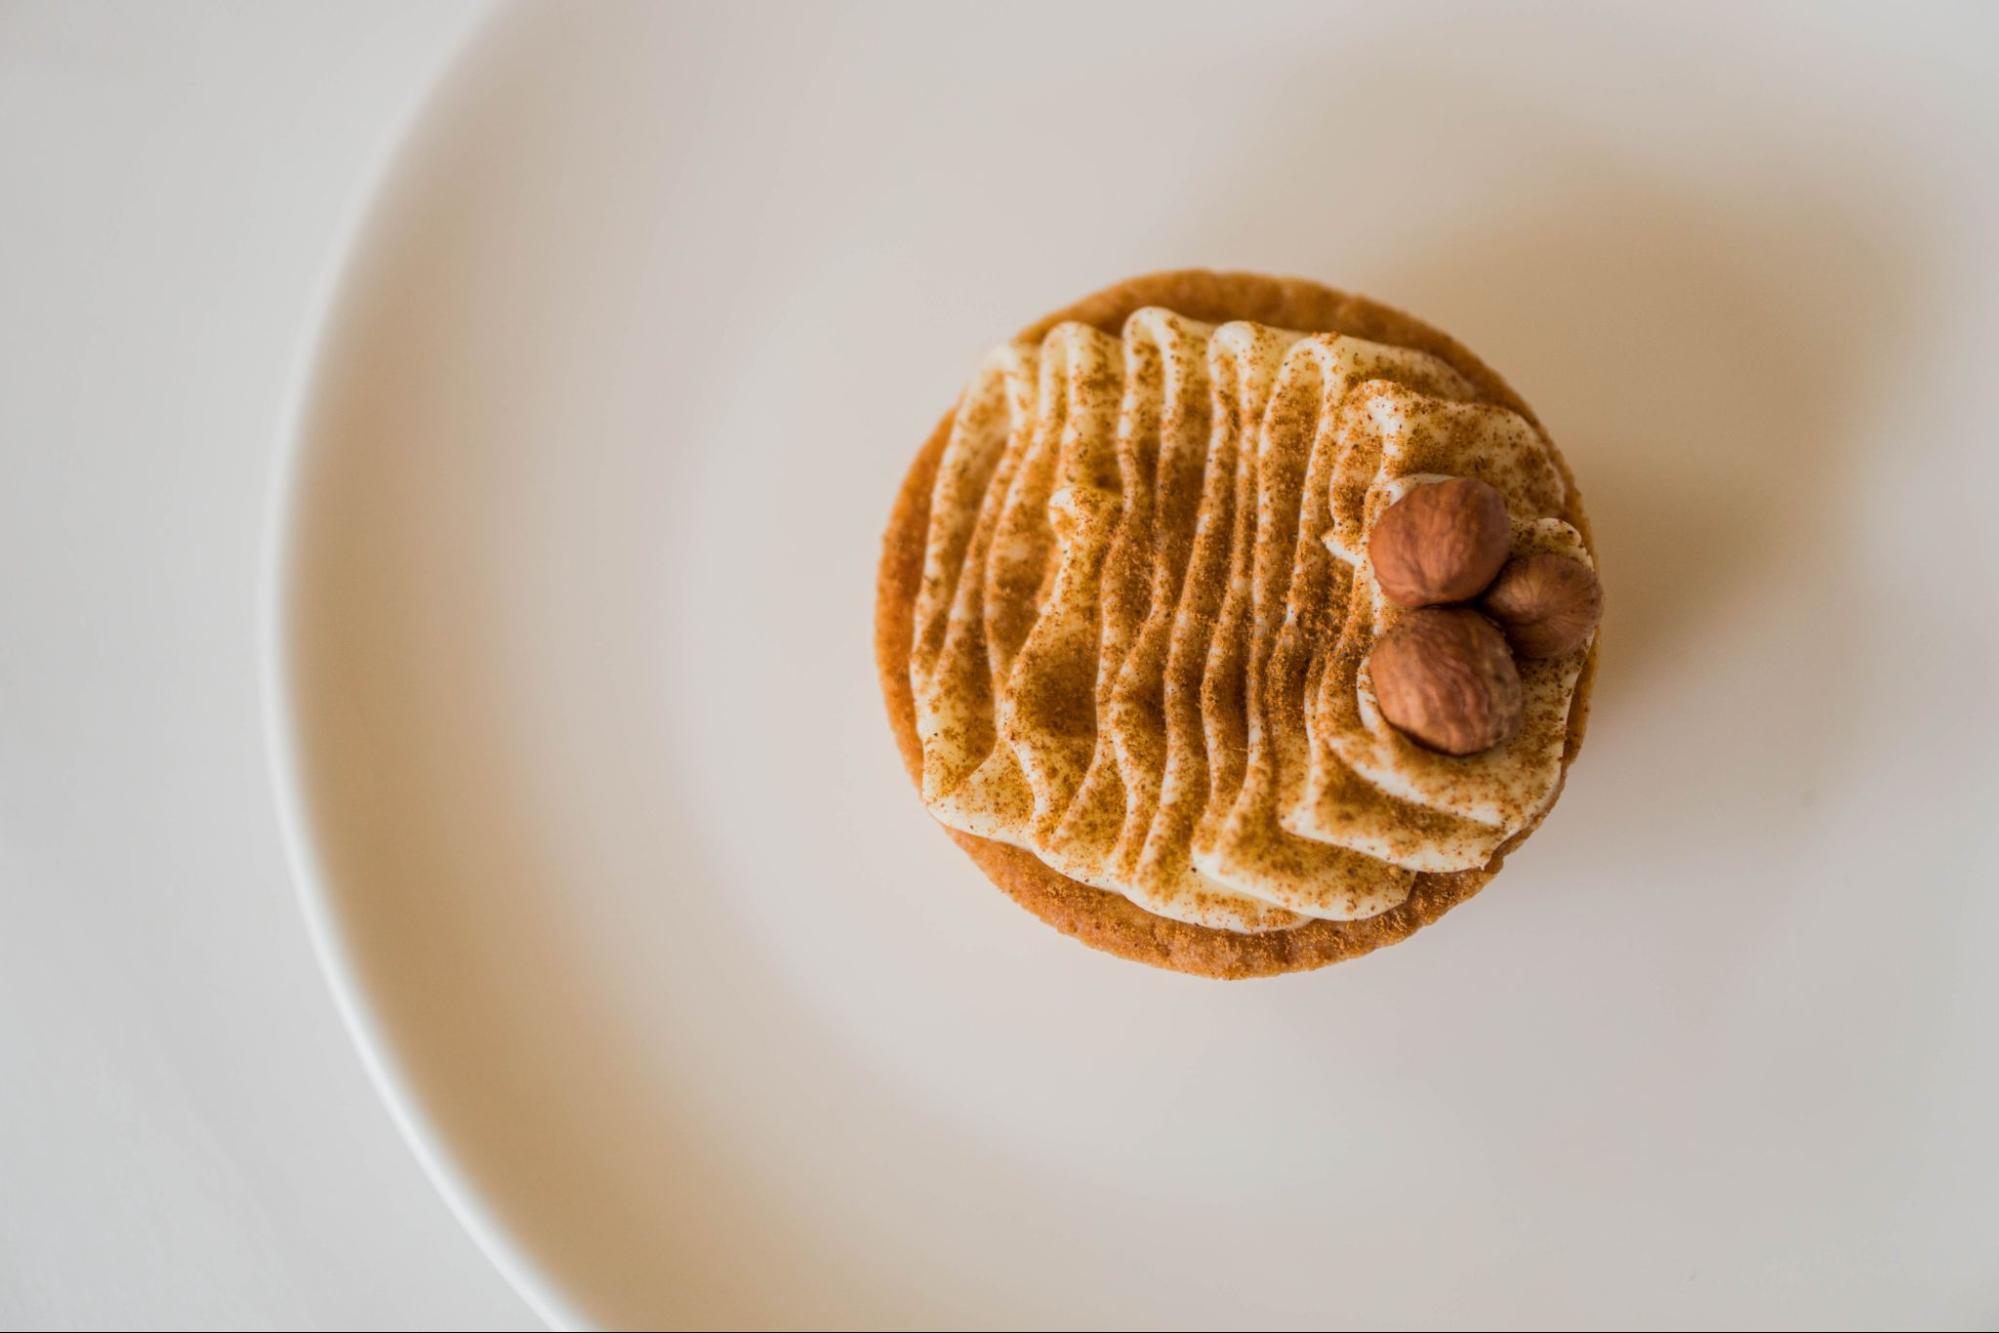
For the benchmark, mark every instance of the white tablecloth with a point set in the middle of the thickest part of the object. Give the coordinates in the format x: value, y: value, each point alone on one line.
x: 187, y: 1137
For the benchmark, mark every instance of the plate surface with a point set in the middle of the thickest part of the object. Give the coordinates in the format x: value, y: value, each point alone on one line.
x: 696, y: 1017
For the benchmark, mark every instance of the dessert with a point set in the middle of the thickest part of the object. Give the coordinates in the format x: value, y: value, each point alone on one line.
x: 1237, y: 625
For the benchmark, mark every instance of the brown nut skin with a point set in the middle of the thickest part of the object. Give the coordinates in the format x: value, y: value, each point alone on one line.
x: 1442, y: 542
x: 1445, y: 679
x: 1546, y: 604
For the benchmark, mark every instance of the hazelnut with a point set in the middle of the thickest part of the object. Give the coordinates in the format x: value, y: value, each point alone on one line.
x: 1442, y: 542
x: 1444, y: 677
x: 1547, y: 604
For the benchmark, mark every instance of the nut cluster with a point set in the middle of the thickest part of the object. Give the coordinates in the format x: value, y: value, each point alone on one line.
x: 1444, y: 675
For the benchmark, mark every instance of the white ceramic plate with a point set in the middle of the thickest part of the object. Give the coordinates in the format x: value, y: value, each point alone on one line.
x: 698, y: 1019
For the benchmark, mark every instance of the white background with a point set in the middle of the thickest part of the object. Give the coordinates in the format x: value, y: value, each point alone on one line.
x: 1718, y: 1046
x: 186, y: 1136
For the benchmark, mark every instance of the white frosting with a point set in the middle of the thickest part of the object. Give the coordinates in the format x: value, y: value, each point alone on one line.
x: 1140, y: 640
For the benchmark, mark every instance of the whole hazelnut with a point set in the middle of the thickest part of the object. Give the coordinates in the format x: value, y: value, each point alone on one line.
x: 1547, y: 604
x: 1442, y: 542
x: 1444, y: 677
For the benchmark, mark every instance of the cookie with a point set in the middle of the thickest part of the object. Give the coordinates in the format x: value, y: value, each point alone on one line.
x: 1109, y: 920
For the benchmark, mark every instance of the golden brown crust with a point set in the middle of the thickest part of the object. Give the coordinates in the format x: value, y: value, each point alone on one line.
x: 1105, y: 920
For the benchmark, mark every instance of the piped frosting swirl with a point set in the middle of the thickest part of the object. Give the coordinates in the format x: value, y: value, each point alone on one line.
x: 1141, y: 636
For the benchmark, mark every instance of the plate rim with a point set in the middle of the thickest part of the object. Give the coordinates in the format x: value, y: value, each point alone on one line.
x: 367, y: 221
